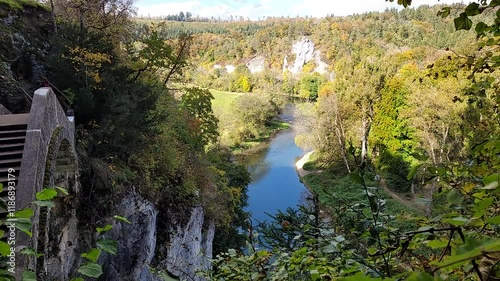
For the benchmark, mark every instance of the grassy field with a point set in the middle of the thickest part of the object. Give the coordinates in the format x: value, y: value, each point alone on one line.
x: 222, y: 100
x: 221, y: 105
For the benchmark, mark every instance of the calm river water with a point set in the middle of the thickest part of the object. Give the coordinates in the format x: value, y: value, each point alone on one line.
x: 275, y: 184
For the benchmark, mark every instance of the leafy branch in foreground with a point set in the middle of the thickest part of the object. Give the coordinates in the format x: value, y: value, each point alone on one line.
x: 90, y: 268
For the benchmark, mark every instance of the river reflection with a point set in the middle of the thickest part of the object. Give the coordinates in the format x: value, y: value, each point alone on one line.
x: 275, y: 184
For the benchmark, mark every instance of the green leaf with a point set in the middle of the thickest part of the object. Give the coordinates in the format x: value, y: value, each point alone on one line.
x: 30, y: 252
x: 444, y: 12
x: 494, y: 220
x: 491, y: 178
x: 462, y: 22
x: 92, y: 255
x: 4, y: 248
x: 361, y: 277
x: 231, y: 252
x: 123, y: 219
x: 433, y: 244
x: 28, y: 276
x: 24, y: 213
x: 77, y: 279
x: 23, y: 224
x: 104, y: 229
x: 454, y: 197
x: 413, y: 171
x: 91, y: 270
x: 46, y: 194
x: 108, y: 245
x: 457, y: 221
x: 481, y: 27
x: 48, y: 204
x: 167, y: 276
x: 472, y: 9
x: 491, y: 185
x: 62, y: 190
x: 481, y: 205
x: 472, y: 249
x: 405, y: 3
x: 421, y: 276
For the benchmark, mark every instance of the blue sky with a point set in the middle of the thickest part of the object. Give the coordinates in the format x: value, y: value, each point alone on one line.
x: 255, y: 9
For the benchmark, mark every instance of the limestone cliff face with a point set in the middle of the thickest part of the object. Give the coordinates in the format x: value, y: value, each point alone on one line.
x: 256, y: 64
x: 191, y: 247
x: 136, y: 241
x: 189, y: 250
x: 303, y: 51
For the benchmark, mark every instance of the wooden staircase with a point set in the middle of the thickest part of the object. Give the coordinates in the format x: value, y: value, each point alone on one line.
x: 12, y: 137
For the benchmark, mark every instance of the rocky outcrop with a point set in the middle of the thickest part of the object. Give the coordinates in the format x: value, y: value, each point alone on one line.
x: 230, y: 68
x: 303, y: 52
x: 321, y: 66
x: 191, y: 248
x: 136, y: 241
x: 256, y: 64
x: 23, y: 48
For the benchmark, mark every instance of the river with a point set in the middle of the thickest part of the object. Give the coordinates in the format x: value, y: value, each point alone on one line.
x: 275, y: 184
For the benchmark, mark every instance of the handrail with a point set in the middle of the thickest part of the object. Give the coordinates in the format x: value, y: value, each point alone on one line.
x: 63, y: 99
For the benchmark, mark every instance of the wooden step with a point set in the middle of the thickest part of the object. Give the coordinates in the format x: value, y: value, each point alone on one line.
x: 6, y: 179
x: 9, y: 132
x: 11, y: 146
x: 14, y: 119
x: 6, y: 170
x: 11, y: 161
x: 4, y: 154
x: 12, y: 139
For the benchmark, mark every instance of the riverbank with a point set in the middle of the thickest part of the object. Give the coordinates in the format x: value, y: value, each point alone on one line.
x: 299, y: 165
x: 335, y: 190
x: 254, y: 146
x: 248, y: 121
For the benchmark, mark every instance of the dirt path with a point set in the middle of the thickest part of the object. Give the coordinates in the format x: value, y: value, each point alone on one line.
x: 408, y: 203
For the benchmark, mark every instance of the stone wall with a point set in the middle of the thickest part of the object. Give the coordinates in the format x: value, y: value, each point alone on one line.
x: 48, y: 128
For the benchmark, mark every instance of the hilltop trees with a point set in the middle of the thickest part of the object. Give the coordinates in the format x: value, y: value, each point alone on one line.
x: 110, y: 17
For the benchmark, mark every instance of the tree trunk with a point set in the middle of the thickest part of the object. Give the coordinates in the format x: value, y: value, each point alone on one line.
x: 53, y: 16
x: 364, y: 140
